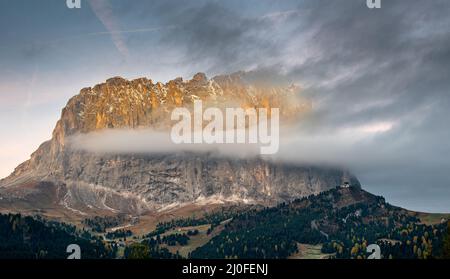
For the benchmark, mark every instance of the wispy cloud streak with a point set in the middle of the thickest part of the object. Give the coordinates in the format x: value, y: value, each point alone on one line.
x: 104, y: 13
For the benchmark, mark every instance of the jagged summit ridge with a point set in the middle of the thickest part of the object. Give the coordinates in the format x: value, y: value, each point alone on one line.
x: 120, y: 103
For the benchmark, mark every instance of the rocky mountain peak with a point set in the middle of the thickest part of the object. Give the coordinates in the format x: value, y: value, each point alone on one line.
x: 116, y: 81
x: 81, y: 181
x: 120, y: 103
x: 200, y: 78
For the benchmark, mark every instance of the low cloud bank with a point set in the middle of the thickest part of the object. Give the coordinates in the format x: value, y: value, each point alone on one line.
x: 383, y: 155
x: 147, y: 141
x: 349, y: 147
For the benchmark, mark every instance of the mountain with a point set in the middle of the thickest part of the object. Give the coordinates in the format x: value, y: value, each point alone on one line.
x: 60, y: 180
x: 338, y: 223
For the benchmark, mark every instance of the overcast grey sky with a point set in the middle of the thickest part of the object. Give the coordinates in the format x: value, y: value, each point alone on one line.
x: 379, y: 79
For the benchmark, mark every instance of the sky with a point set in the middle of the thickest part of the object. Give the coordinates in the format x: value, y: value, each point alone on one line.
x: 379, y: 79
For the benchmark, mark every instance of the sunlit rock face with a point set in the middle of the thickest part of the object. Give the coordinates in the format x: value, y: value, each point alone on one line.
x: 135, y: 183
x: 119, y: 103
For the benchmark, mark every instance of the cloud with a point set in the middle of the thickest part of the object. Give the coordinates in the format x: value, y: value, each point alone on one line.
x: 148, y: 141
x: 140, y: 30
x: 217, y: 35
x: 104, y: 12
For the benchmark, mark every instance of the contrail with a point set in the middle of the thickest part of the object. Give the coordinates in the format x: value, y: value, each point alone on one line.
x: 141, y: 30
x: 104, y: 13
